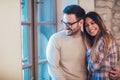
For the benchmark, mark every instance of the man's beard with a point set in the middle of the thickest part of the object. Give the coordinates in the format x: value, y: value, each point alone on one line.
x: 72, y: 32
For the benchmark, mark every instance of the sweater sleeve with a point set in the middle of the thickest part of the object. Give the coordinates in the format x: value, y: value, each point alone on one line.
x: 53, y: 57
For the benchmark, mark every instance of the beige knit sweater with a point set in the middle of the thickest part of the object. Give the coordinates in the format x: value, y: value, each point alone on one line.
x: 66, y: 57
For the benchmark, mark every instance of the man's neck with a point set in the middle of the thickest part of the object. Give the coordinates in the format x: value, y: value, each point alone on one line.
x: 78, y: 34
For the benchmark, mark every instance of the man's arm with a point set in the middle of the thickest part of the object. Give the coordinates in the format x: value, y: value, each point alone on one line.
x: 53, y: 57
x: 115, y: 73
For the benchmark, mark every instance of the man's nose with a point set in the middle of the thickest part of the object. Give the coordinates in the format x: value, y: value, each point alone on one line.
x: 66, y: 26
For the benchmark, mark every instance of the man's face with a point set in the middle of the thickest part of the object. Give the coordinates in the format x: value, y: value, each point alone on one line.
x: 71, y: 24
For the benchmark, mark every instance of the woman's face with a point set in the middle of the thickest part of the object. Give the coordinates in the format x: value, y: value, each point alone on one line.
x: 91, y: 27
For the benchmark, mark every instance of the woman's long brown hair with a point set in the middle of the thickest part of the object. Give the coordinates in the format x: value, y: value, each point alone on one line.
x: 102, y: 33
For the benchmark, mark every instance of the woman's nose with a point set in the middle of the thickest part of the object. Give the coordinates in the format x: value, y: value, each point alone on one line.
x: 90, y: 26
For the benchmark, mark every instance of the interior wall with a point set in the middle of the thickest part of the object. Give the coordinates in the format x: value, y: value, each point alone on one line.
x: 88, y: 5
x: 10, y: 41
x: 109, y: 10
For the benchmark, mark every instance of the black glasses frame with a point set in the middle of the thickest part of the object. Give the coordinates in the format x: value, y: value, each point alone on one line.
x: 69, y: 24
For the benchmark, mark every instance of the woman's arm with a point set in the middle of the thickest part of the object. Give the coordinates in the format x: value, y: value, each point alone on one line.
x: 102, y: 59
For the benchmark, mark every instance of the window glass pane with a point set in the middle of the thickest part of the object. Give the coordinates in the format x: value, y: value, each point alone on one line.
x: 26, y: 74
x: 25, y: 45
x: 43, y: 72
x: 44, y: 33
x: 24, y: 5
x: 46, y: 11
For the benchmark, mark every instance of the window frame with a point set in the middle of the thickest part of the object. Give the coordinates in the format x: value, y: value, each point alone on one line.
x: 33, y: 38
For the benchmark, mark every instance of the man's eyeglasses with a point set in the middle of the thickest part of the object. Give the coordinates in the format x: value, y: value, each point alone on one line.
x: 69, y: 24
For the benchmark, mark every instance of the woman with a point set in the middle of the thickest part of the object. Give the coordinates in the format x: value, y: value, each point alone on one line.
x: 101, y: 53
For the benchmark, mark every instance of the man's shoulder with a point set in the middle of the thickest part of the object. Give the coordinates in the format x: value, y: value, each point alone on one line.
x: 58, y: 34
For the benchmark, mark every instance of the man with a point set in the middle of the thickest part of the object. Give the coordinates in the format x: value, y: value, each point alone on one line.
x: 66, y: 50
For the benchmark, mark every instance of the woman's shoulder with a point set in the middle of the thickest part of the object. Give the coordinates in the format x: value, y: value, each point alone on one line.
x: 101, y: 41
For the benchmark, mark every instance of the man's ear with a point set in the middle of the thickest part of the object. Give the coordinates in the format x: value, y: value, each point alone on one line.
x: 81, y: 22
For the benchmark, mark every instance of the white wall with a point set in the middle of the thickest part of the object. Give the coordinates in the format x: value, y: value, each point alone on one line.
x: 10, y: 41
x: 59, y: 14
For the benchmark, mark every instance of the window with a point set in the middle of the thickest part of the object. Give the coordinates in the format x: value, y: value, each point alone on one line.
x: 38, y: 24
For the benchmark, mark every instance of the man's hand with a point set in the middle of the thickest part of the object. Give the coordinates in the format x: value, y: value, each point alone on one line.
x: 114, y: 73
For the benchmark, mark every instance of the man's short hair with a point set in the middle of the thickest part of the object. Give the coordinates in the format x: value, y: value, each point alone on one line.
x: 75, y: 9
